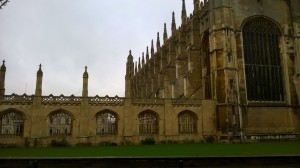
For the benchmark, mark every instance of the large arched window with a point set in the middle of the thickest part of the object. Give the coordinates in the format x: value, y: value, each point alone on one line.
x: 263, y: 69
x: 187, y: 123
x: 148, y: 123
x: 106, y: 123
x: 12, y: 124
x: 60, y: 124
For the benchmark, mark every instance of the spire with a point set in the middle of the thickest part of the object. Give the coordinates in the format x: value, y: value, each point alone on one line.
x: 196, y: 6
x: 143, y: 59
x: 173, y: 24
x: 183, y: 13
x: 157, y: 42
x: 147, y: 54
x: 152, y: 48
x: 165, y: 33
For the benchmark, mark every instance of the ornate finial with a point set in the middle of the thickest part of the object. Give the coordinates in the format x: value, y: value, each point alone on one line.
x: 196, y: 6
x: 183, y: 6
x: 139, y: 66
x: 152, y: 47
x: 3, y: 68
x: 143, y: 59
x: 40, y: 72
x: 147, y: 54
x: 183, y: 13
x: 129, y: 52
x: 85, y: 74
x: 165, y: 33
x: 158, y: 41
x: 173, y: 23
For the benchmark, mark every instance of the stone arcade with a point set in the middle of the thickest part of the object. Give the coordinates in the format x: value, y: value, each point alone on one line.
x: 230, y: 71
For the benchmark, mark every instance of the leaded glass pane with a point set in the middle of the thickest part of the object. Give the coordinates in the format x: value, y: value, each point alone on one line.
x: 148, y: 123
x: 187, y: 123
x: 106, y: 124
x: 263, y: 68
x: 60, y: 124
x: 12, y: 124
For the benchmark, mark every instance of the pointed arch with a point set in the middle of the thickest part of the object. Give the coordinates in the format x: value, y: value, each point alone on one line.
x: 148, y: 122
x: 107, y: 122
x: 60, y: 123
x: 187, y: 122
x: 262, y: 60
x: 12, y: 122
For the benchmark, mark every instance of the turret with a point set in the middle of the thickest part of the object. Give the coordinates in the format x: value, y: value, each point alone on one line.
x: 39, y: 82
x: 2, y: 79
x: 85, y: 83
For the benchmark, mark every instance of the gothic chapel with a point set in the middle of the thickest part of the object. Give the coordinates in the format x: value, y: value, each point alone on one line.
x: 229, y: 71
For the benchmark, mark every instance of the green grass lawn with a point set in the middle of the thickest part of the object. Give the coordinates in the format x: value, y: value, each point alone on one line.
x: 249, y: 149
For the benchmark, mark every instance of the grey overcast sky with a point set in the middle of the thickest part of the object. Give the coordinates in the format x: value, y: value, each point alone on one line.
x: 67, y: 35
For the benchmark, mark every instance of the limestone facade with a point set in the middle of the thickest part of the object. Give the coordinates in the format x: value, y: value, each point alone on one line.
x: 231, y: 70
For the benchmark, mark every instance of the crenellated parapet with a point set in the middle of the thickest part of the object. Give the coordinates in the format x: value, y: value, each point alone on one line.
x: 61, y: 100
x: 16, y: 99
x: 111, y: 101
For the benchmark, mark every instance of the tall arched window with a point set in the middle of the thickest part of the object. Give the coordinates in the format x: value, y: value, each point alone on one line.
x: 106, y: 123
x: 262, y: 60
x: 148, y: 123
x: 12, y: 124
x: 187, y: 123
x: 60, y: 124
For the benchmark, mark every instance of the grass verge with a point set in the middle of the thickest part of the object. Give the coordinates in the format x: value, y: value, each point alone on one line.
x: 249, y: 149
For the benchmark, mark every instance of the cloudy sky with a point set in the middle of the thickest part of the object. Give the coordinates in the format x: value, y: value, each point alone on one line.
x: 67, y: 35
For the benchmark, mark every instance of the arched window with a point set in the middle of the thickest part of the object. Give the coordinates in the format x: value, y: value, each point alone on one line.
x: 263, y: 71
x: 106, y: 123
x: 187, y: 123
x: 12, y: 124
x: 148, y: 123
x: 60, y: 124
